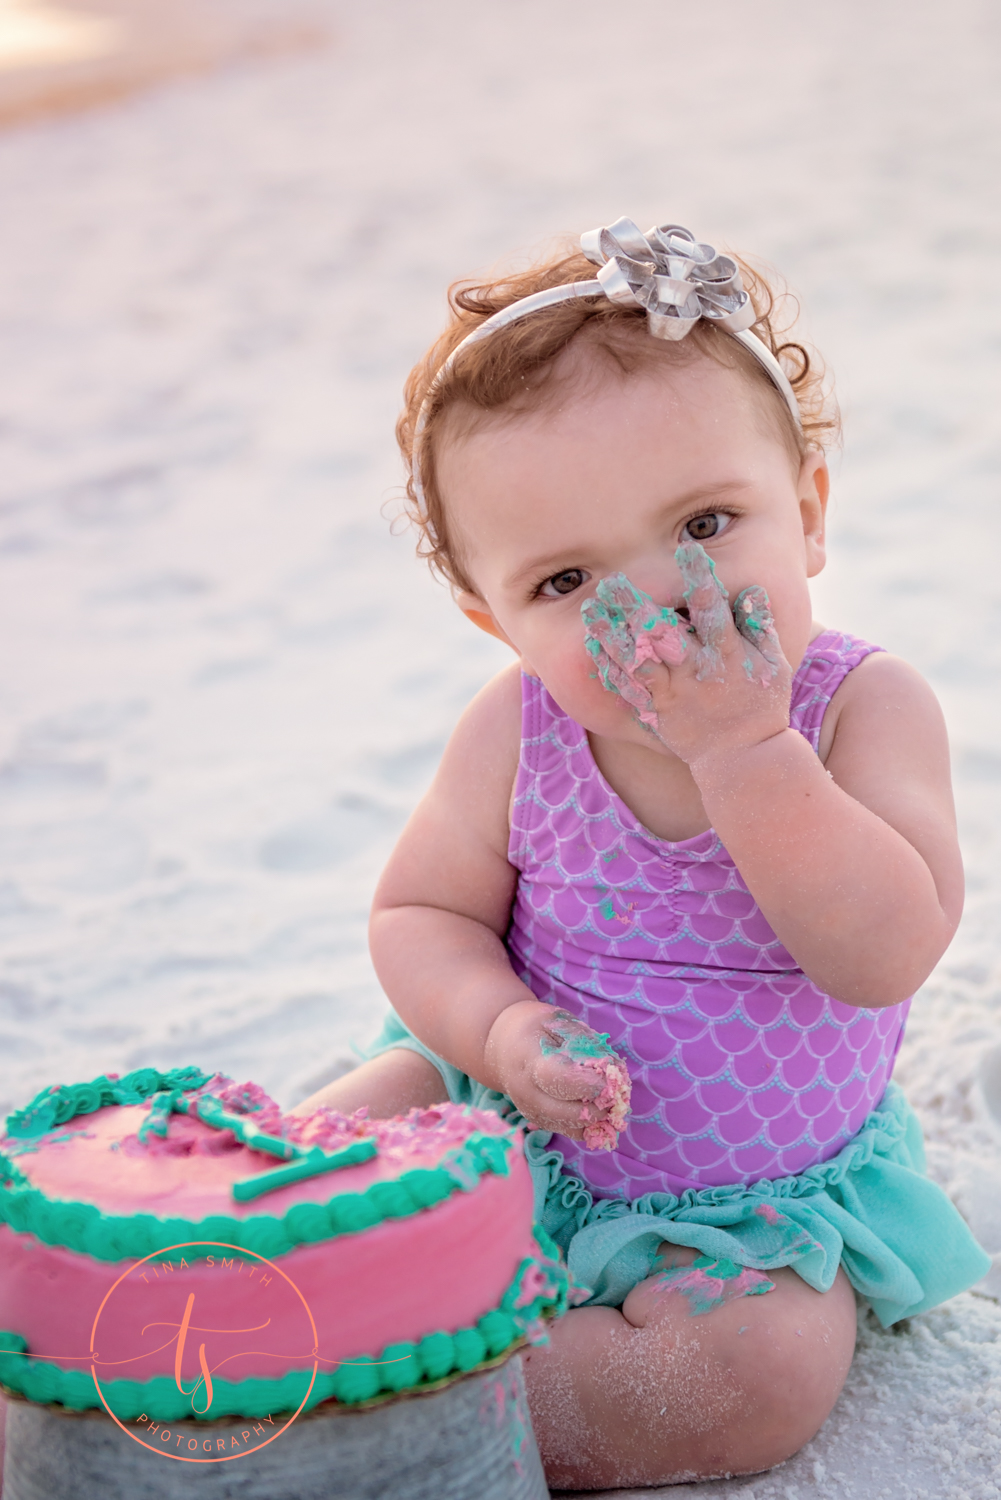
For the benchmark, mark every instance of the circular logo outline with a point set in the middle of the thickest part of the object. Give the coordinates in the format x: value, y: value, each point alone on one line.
x: 244, y: 1452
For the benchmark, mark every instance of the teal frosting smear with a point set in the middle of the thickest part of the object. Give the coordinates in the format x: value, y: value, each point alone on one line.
x: 710, y: 1282
x: 538, y: 1292
x: 566, y: 1034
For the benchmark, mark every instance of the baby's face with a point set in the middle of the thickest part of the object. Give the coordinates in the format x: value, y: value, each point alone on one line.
x: 613, y: 480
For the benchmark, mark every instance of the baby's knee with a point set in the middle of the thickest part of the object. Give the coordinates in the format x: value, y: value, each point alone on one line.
x: 779, y: 1349
x: 791, y: 1357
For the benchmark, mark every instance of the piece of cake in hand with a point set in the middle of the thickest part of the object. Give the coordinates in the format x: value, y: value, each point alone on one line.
x: 606, y: 1114
x: 210, y: 1256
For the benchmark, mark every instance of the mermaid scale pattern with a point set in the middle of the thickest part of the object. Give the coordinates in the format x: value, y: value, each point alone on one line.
x: 741, y: 1068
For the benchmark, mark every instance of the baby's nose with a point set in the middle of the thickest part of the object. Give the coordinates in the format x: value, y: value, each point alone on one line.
x: 661, y: 581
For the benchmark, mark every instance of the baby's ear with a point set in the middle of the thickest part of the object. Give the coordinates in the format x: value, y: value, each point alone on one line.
x: 474, y: 608
x: 814, y: 488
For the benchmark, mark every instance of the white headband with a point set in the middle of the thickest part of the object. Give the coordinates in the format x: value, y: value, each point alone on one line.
x: 666, y: 271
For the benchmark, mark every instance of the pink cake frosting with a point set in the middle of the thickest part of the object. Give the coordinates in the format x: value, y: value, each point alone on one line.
x: 440, y: 1268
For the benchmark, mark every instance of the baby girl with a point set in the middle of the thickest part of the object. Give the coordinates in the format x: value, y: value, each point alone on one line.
x: 690, y: 835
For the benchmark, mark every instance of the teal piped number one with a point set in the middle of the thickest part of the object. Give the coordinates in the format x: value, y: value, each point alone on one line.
x: 213, y: 1113
x: 157, y: 1121
x: 312, y: 1164
x: 301, y: 1161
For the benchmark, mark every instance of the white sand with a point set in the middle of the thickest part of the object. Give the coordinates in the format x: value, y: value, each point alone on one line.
x: 223, y: 684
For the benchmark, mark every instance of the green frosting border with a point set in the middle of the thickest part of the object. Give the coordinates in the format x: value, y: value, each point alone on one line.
x: 84, y: 1228
x: 365, y: 1381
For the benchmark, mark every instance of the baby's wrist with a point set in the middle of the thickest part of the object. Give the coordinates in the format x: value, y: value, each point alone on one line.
x: 506, y: 1031
x: 720, y: 766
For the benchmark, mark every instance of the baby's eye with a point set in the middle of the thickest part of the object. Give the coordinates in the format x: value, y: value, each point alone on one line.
x: 564, y: 583
x: 701, y: 528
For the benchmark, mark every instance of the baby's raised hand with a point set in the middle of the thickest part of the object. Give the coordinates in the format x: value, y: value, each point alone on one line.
x: 737, y: 656
x: 561, y: 1075
x: 623, y: 630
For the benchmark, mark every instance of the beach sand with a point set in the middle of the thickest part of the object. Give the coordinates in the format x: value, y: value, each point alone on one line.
x: 224, y: 683
x: 62, y: 56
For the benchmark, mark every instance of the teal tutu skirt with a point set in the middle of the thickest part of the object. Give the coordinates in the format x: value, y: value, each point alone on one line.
x: 871, y: 1209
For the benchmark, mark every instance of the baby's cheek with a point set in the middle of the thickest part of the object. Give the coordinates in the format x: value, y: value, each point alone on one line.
x: 572, y: 679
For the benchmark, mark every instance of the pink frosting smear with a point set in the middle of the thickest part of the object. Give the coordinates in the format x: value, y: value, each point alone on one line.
x: 602, y: 1134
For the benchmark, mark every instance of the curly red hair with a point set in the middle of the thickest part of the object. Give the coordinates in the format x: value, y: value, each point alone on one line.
x: 513, y: 370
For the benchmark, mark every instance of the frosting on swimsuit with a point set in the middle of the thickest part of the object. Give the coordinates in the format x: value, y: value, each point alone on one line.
x: 741, y: 1068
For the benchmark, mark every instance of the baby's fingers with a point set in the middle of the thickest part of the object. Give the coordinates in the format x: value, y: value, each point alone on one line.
x: 543, y: 1111
x: 606, y: 624
x: 560, y: 1078
x: 617, y: 680
x: 623, y: 630
x: 756, y: 623
x: 708, y: 607
x: 595, y: 1072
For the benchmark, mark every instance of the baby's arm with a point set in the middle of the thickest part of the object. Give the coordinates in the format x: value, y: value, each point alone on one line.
x: 439, y: 917
x: 856, y: 866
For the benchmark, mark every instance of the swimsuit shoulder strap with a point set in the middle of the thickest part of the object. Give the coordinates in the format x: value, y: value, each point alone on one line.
x: 554, y: 762
x: 828, y: 660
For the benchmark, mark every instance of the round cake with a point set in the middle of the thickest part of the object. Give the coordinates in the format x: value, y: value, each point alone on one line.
x: 171, y: 1244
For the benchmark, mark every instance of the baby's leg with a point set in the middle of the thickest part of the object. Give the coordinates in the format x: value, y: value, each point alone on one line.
x: 389, y: 1084
x: 662, y: 1393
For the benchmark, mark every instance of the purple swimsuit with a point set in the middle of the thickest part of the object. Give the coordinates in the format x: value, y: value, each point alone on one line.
x: 741, y: 1068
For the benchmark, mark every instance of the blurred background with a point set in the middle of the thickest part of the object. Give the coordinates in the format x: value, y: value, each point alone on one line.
x: 226, y: 230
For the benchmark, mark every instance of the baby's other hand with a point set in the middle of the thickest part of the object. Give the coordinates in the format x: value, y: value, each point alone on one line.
x: 561, y: 1075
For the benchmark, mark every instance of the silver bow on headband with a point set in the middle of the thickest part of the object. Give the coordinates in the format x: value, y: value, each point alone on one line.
x: 669, y: 273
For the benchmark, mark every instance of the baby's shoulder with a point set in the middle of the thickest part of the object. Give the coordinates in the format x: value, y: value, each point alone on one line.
x: 883, y: 687
x: 496, y: 708
x: 486, y: 743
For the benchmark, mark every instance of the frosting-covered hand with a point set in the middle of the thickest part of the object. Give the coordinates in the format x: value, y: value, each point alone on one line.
x: 578, y: 1046
x: 732, y: 690
x: 560, y: 1074
x: 623, y: 629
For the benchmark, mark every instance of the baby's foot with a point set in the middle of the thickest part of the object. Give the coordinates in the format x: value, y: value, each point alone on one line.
x: 756, y: 623
x: 606, y: 1114
x: 625, y: 629
x: 708, y: 607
